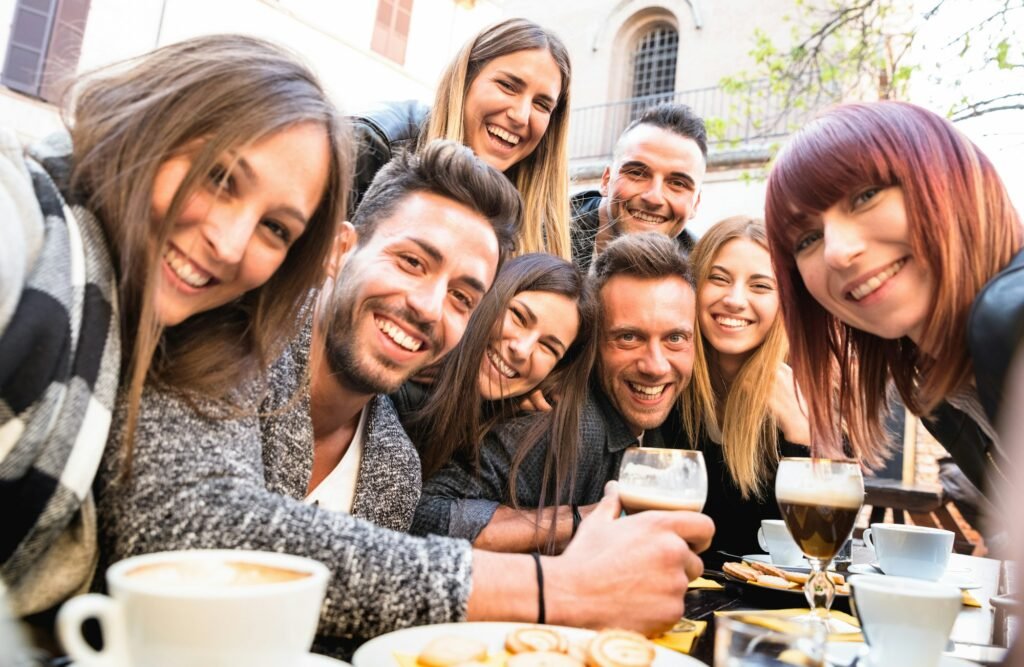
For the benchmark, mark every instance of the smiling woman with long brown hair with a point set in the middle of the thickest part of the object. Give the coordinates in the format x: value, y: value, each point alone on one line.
x: 171, y: 240
x: 899, y: 264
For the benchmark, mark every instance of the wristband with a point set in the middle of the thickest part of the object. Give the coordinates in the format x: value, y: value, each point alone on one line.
x: 541, y: 616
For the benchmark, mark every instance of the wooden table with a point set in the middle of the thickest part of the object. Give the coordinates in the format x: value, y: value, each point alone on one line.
x: 924, y: 505
x: 973, y: 625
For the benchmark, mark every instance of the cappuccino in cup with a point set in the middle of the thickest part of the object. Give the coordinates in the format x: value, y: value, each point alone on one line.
x: 213, y: 608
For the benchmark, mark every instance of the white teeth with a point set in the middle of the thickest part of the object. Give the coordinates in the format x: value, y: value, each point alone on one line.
x: 184, y: 269
x: 731, y: 322
x: 876, y: 281
x: 503, y: 134
x: 504, y: 368
x: 399, y: 336
x: 644, y: 216
x: 647, y: 391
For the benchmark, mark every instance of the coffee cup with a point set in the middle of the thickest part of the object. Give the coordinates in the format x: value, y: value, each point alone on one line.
x: 214, y: 608
x: 917, y: 552
x: 773, y: 536
x: 905, y: 621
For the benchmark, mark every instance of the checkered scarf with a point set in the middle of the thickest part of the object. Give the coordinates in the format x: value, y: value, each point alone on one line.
x: 60, y: 355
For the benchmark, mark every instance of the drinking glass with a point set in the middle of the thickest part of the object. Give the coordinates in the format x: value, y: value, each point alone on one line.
x: 755, y: 640
x: 652, y: 478
x: 819, y: 500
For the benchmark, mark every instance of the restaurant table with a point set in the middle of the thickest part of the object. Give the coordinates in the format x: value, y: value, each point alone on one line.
x: 974, y: 625
x: 924, y: 505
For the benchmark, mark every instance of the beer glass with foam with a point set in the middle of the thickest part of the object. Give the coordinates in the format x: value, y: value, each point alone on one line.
x: 819, y: 500
x: 652, y: 478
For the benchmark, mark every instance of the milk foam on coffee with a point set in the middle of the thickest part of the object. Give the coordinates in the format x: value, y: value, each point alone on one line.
x: 213, y: 574
x: 841, y: 491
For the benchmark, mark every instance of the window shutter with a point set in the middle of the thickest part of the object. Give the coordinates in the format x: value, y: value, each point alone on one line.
x: 65, y: 47
x: 26, y: 51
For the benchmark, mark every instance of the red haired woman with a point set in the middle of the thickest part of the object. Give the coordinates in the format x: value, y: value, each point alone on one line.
x: 897, y: 253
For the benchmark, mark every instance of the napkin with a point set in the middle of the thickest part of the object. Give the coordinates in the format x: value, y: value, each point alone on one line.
x: 702, y: 583
x: 842, y: 626
x: 969, y: 600
x: 682, y: 641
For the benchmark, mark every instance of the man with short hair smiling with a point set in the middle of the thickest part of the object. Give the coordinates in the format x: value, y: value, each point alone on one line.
x: 645, y: 349
x: 426, y: 244
x: 653, y: 184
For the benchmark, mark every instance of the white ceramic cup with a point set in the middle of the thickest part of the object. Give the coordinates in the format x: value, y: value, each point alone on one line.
x: 212, y: 608
x: 905, y: 622
x: 773, y: 536
x: 917, y: 552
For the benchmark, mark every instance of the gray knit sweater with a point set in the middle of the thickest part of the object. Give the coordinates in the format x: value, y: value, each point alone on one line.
x: 202, y: 482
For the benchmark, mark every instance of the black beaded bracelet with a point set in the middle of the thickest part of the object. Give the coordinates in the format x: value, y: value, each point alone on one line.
x: 541, y: 615
x: 576, y: 519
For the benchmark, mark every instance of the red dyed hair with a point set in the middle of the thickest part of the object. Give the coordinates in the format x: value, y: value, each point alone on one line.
x: 962, y: 226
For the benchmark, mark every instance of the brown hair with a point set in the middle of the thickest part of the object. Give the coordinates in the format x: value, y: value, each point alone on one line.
x: 749, y: 431
x: 962, y: 226
x: 228, y: 91
x: 542, y: 177
x: 648, y: 255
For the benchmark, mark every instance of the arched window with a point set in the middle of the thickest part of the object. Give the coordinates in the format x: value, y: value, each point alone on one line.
x: 654, y: 66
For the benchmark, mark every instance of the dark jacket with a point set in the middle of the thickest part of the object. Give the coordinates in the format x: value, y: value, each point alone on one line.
x: 586, y: 220
x: 379, y: 134
x: 994, y: 329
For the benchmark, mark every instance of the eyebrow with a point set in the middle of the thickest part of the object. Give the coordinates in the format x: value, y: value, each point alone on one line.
x: 435, y: 254
x: 530, y: 315
x: 522, y: 84
x: 252, y: 177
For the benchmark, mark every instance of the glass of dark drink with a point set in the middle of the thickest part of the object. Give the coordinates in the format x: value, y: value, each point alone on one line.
x: 652, y: 478
x: 819, y: 500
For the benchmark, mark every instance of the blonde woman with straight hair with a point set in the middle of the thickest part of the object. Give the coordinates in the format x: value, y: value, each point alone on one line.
x: 506, y: 96
x: 741, y: 407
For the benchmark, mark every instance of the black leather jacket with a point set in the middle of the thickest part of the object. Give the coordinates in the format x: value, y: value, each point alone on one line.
x: 995, y: 327
x: 379, y: 134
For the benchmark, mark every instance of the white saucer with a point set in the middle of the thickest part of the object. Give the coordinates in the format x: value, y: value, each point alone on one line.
x: 958, y: 578
x: 843, y: 653
x: 310, y: 660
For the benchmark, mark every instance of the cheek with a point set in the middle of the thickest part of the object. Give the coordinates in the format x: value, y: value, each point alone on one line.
x: 260, y: 265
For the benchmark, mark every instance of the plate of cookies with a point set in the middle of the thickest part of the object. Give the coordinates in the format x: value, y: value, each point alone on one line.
x: 774, y: 579
x: 514, y: 645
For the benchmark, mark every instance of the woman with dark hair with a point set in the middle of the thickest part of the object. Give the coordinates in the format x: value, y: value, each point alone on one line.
x: 741, y: 408
x: 533, y: 330
x: 170, y: 240
x: 898, y: 252
x: 506, y: 96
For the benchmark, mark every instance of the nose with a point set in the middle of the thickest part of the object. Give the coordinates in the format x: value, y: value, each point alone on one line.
x: 519, y: 347
x: 843, y: 243
x: 654, y: 196
x: 654, y: 363
x: 736, y: 298
x: 519, y: 110
x: 228, y: 232
x: 427, y: 300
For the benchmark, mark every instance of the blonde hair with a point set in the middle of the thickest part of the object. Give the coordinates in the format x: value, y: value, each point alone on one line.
x: 749, y: 431
x: 542, y: 177
x: 229, y: 91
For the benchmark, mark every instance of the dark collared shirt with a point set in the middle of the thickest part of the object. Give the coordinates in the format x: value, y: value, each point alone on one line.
x: 460, y: 503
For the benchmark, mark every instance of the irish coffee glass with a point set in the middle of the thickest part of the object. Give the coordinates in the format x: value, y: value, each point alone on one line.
x: 819, y: 500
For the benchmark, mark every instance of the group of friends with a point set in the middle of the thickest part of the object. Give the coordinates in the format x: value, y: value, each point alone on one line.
x: 231, y: 317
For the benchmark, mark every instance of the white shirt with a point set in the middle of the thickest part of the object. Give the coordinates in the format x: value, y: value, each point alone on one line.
x: 337, y: 491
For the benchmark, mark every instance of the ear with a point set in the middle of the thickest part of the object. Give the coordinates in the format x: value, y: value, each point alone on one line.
x: 696, y: 204
x: 344, y: 242
x: 605, y: 178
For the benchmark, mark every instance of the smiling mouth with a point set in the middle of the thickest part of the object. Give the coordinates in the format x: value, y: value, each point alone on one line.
x: 185, y: 269
x: 503, y: 136
x: 500, y: 365
x: 646, y: 217
x: 646, y: 391
x: 876, y: 281
x: 400, y: 338
x: 732, y: 322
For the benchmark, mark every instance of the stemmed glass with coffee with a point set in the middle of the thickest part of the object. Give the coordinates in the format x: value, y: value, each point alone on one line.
x: 819, y: 500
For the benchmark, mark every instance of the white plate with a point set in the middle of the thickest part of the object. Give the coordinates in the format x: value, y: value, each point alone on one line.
x: 311, y: 660
x: 841, y: 654
x: 959, y: 578
x: 767, y: 560
x: 379, y: 652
